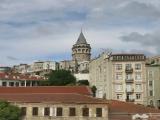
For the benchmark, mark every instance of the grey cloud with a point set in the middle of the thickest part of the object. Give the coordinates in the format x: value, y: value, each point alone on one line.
x: 151, y: 40
x: 12, y: 58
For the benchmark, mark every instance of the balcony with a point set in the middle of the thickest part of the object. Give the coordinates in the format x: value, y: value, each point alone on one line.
x: 129, y: 90
x: 129, y: 70
x: 129, y: 80
x: 130, y: 100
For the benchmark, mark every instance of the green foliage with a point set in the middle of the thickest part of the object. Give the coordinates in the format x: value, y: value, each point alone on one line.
x: 9, y: 112
x: 153, y: 61
x: 61, y: 78
x: 94, y: 89
x: 83, y: 82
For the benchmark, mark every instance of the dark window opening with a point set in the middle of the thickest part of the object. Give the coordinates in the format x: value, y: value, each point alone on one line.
x: 98, y: 112
x: 59, y: 111
x: 47, y: 111
x: 23, y: 111
x: 85, y: 112
x: 35, y: 111
x: 72, y: 112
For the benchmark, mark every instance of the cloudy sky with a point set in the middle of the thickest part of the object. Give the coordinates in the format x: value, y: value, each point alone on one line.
x: 46, y: 29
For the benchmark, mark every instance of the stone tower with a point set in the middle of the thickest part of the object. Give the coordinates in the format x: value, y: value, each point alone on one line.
x: 81, y: 51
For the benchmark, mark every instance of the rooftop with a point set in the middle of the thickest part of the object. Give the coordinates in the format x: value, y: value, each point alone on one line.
x: 11, y: 76
x: 51, y: 98
x: 46, y: 90
x: 126, y: 107
x: 119, y: 110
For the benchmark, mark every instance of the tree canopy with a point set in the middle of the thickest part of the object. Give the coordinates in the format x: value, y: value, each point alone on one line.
x: 9, y: 112
x: 61, y: 78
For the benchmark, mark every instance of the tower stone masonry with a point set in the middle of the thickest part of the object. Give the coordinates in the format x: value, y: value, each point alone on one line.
x: 81, y: 51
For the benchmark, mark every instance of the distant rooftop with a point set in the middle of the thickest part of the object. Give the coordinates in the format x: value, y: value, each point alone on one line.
x: 128, y: 57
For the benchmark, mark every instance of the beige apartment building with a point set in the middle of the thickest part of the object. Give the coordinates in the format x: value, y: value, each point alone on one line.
x: 120, y: 77
x: 153, y: 79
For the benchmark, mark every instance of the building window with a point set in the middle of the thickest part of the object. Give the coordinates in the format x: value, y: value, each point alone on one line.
x: 11, y: 83
x: 128, y: 66
x: 150, y: 84
x: 23, y: 83
x: 23, y: 111
x: 138, y: 76
x: 138, y: 96
x: 119, y: 96
x: 59, y: 111
x: 150, y: 74
x: 151, y: 93
x: 138, y: 87
x: 46, y: 111
x: 85, y: 112
x: 151, y: 103
x: 98, y: 112
x: 4, y: 83
x: 118, y: 76
x: 129, y: 88
x: 138, y: 66
x: 118, y: 67
x: 118, y: 87
x: 72, y: 111
x: 128, y: 76
x: 35, y: 111
x: 17, y: 84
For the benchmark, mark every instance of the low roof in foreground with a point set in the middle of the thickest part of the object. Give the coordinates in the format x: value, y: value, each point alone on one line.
x: 119, y: 110
x: 52, y: 98
x: 126, y: 107
x: 46, y: 89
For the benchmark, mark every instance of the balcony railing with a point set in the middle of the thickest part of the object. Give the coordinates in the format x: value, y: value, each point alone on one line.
x: 129, y: 80
x: 129, y: 70
x: 130, y: 100
x: 129, y: 90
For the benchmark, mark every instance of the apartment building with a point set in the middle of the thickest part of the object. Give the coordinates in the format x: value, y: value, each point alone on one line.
x: 153, y: 79
x: 100, y: 75
x: 129, y: 77
x: 120, y: 77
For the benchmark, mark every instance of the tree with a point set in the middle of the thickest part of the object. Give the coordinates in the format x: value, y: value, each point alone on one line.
x: 61, y: 78
x: 9, y: 112
x: 94, y: 89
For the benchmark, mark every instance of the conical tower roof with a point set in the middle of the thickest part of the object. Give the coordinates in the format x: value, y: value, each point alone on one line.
x: 81, y: 39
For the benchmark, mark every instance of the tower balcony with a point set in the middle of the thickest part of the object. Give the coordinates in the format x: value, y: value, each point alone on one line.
x: 129, y: 80
x: 129, y: 70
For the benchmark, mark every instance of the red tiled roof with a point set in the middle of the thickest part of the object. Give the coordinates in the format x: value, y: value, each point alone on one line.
x: 46, y: 89
x: 119, y: 110
x: 126, y: 107
x: 9, y: 76
x: 53, y: 98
